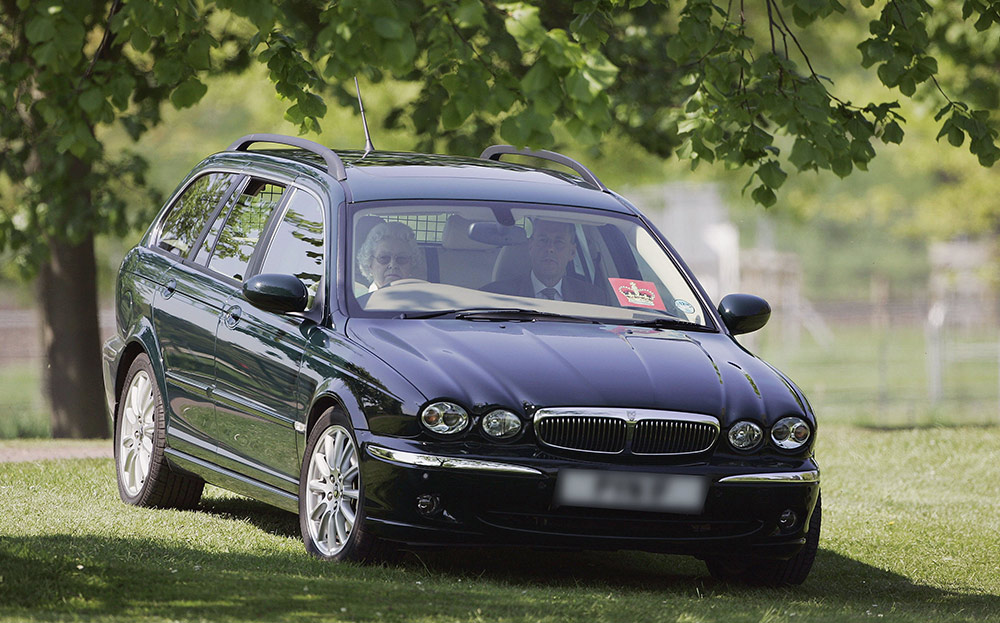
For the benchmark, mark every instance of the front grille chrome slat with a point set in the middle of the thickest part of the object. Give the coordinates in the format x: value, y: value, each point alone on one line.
x: 606, y: 431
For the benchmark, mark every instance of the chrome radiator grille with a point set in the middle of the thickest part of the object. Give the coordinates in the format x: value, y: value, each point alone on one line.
x: 672, y: 437
x: 618, y: 431
x: 593, y: 434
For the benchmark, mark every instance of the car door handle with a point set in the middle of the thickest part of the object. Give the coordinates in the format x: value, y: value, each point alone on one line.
x: 232, y: 316
x: 169, y: 287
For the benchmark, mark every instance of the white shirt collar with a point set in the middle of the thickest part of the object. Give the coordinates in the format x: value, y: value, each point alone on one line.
x: 538, y: 286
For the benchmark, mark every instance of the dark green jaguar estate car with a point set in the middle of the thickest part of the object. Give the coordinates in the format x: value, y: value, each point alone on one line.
x: 421, y: 350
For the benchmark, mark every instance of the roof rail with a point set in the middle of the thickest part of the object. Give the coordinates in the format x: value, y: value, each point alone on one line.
x: 334, y: 165
x: 494, y: 153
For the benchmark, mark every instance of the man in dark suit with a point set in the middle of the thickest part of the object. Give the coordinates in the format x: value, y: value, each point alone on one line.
x: 551, y: 247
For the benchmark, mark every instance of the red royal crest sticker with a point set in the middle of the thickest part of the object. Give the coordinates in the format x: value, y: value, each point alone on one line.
x: 633, y: 293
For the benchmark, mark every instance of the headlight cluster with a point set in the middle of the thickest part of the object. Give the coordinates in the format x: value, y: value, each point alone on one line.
x: 444, y: 418
x: 789, y: 433
x: 448, y: 418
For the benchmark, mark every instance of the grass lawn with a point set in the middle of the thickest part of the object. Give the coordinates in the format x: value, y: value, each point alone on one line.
x: 22, y: 410
x: 911, y: 525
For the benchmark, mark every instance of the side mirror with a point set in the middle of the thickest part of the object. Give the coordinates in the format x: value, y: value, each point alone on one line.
x: 276, y: 293
x: 744, y: 313
x: 497, y: 235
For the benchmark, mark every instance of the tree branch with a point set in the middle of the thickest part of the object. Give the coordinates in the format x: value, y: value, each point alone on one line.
x: 902, y: 23
x: 106, y: 40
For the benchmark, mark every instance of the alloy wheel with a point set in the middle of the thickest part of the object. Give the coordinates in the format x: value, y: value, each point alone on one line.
x: 135, y: 445
x: 333, y: 490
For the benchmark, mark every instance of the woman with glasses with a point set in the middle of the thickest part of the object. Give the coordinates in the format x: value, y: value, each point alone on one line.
x: 390, y: 253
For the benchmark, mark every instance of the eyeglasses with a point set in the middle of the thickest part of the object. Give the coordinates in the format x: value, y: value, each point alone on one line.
x: 400, y: 260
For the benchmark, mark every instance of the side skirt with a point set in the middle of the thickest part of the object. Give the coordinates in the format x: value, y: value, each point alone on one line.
x: 234, y: 482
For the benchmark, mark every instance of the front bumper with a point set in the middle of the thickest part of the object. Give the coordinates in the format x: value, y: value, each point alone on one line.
x: 510, y: 500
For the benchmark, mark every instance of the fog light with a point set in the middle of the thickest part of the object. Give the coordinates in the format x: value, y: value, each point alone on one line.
x: 428, y: 504
x: 501, y: 424
x: 745, y: 435
x: 788, y: 519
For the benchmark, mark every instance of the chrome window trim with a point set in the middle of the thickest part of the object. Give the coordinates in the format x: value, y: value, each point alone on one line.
x: 631, y: 417
x: 808, y: 476
x: 448, y: 462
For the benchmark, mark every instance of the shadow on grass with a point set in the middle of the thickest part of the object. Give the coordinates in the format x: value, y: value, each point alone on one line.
x: 55, y: 576
x: 264, y: 516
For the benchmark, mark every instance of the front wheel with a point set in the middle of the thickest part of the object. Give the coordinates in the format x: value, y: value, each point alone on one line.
x: 331, y: 494
x: 789, y: 572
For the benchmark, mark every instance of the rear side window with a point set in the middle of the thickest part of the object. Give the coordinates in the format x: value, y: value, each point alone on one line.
x: 244, y: 226
x: 297, y: 247
x: 191, y: 211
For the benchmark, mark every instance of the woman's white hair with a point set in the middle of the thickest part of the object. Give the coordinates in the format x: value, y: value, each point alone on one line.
x: 389, y: 229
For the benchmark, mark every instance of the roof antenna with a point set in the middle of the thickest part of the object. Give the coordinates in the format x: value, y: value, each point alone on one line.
x: 368, y: 137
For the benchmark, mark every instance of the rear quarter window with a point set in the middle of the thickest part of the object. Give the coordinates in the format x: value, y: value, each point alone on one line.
x: 191, y: 211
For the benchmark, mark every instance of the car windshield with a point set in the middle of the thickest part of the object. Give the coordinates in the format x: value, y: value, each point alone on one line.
x: 517, y: 262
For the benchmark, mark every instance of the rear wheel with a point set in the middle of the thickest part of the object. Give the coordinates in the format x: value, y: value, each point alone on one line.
x: 144, y: 478
x: 331, y: 494
x: 789, y: 572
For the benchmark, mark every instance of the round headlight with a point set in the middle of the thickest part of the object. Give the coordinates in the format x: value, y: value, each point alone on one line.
x: 745, y: 435
x: 444, y: 418
x: 501, y: 424
x: 790, y: 433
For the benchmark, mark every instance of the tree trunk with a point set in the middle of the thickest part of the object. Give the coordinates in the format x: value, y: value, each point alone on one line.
x: 73, y: 381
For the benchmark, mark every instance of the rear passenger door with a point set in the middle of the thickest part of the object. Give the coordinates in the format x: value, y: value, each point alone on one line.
x: 187, y: 310
x: 259, y: 352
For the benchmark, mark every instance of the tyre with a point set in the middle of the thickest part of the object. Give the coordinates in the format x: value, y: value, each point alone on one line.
x: 332, y: 494
x: 144, y: 478
x: 789, y: 572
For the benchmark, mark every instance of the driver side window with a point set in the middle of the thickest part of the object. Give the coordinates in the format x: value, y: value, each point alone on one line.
x: 299, y: 244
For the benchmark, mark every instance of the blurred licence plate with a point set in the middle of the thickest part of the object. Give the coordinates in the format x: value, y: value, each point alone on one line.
x: 674, y: 493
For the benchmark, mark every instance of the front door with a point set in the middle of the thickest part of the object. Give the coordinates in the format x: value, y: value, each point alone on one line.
x: 259, y: 352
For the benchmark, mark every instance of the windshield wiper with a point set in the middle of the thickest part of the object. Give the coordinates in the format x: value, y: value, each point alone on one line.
x: 667, y: 322
x: 498, y: 315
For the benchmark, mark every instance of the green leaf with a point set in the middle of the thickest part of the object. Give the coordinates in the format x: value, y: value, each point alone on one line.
x: 400, y: 53
x: 771, y: 174
x: 889, y: 73
x: 451, y: 115
x: 892, y: 133
x: 188, y: 93
x: 907, y: 85
x: 538, y: 78
x: 312, y: 105
x: 956, y: 136
x: 198, y: 54
x: 677, y: 49
x: 874, y: 51
x: 578, y: 87
x: 40, y: 28
x: 842, y: 165
x: 513, y: 131
x: 764, y: 196
x: 471, y: 13
x: 91, y: 101
x: 944, y: 111
x: 389, y: 28
x: 294, y: 115
x: 121, y: 87
x: 168, y: 70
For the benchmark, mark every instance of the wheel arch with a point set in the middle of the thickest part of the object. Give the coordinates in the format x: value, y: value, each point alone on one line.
x: 141, y: 343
